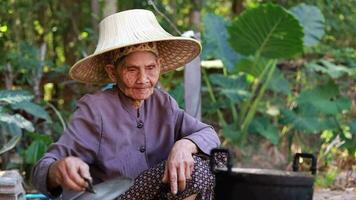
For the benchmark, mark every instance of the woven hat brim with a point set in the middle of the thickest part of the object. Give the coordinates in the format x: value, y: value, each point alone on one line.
x: 174, y: 51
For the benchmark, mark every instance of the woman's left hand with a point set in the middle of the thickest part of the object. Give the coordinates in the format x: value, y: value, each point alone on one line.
x: 180, y: 165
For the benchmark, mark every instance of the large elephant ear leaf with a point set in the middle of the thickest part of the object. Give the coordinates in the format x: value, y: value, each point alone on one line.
x: 267, y: 30
x: 313, y: 22
x: 215, y: 41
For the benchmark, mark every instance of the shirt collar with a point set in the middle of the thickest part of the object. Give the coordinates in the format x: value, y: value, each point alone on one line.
x: 127, y: 104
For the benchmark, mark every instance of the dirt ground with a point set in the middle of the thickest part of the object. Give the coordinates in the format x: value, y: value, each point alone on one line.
x: 343, y: 188
x: 327, y: 194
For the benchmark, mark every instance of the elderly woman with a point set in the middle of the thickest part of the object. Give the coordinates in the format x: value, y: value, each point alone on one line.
x: 134, y: 129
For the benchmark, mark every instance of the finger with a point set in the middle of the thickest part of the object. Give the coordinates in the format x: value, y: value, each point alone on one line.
x: 69, y: 183
x: 173, y: 179
x: 181, y: 178
x: 188, y: 172
x: 84, y: 171
x: 73, y: 173
x: 191, y: 168
x: 85, y: 174
x: 165, y: 174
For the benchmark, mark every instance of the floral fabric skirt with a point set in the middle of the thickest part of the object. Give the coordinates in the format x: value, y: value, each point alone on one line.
x: 149, y: 186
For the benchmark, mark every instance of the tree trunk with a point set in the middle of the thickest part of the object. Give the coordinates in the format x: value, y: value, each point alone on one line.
x: 38, y: 73
x: 9, y: 77
x: 237, y: 7
x: 95, y: 8
x: 192, y: 71
x: 194, y: 18
x: 71, y: 35
x: 95, y: 17
x: 110, y: 7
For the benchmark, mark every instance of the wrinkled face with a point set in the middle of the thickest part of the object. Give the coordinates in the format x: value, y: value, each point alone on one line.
x: 137, y: 74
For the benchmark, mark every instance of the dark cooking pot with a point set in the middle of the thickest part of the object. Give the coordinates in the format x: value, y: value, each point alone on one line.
x: 262, y: 184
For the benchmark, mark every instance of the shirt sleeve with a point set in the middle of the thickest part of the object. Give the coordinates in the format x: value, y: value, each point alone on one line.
x: 81, y: 139
x: 187, y: 127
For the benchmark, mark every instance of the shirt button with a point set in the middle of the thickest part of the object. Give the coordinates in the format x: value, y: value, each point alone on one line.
x: 142, y: 149
x: 139, y: 124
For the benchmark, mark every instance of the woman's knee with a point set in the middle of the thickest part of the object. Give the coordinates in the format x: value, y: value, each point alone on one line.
x: 202, y: 177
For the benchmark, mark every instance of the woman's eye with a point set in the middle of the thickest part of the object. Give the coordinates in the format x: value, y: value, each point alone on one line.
x: 131, y: 69
x: 150, y: 66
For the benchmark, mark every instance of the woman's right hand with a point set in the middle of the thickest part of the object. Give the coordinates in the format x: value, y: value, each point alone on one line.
x: 68, y: 173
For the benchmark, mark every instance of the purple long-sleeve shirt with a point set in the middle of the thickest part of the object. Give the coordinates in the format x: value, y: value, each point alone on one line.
x: 115, y: 139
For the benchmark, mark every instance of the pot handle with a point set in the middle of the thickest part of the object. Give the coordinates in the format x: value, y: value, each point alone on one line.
x: 297, y: 156
x: 216, y: 151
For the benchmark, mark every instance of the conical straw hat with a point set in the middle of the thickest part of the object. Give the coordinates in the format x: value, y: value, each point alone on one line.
x: 129, y: 28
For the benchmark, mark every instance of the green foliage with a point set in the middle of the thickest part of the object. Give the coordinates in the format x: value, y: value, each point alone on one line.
x: 353, y: 126
x: 306, y: 120
x: 11, y: 97
x: 32, y: 109
x: 335, y: 71
x: 297, y: 99
x: 267, y: 30
x: 215, y: 43
x: 12, y: 122
x: 263, y: 126
x: 37, y: 147
x: 17, y: 120
x: 279, y: 84
x: 232, y: 87
x: 11, y: 144
x: 308, y: 99
x: 316, y: 110
x: 312, y: 20
x: 325, y: 99
x: 251, y: 66
x: 232, y: 133
x: 326, y: 179
x: 178, y: 94
x: 263, y: 33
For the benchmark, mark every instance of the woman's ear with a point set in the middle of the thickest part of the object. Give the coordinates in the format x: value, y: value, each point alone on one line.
x: 110, y: 71
x: 159, y: 61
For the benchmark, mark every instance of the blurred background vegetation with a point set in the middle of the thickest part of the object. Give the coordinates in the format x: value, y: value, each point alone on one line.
x: 270, y: 88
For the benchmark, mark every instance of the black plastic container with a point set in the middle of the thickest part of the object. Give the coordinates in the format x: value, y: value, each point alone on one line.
x: 263, y: 184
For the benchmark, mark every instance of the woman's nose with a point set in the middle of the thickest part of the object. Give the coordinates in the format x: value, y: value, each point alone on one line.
x: 142, y: 77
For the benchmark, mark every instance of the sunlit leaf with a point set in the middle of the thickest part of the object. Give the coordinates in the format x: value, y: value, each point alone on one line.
x: 331, y: 69
x: 312, y: 21
x: 14, y: 96
x: 3, y: 28
x: 33, y: 109
x: 10, y: 129
x: 268, y: 30
x: 11, y: 144
x: 18, y: 120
